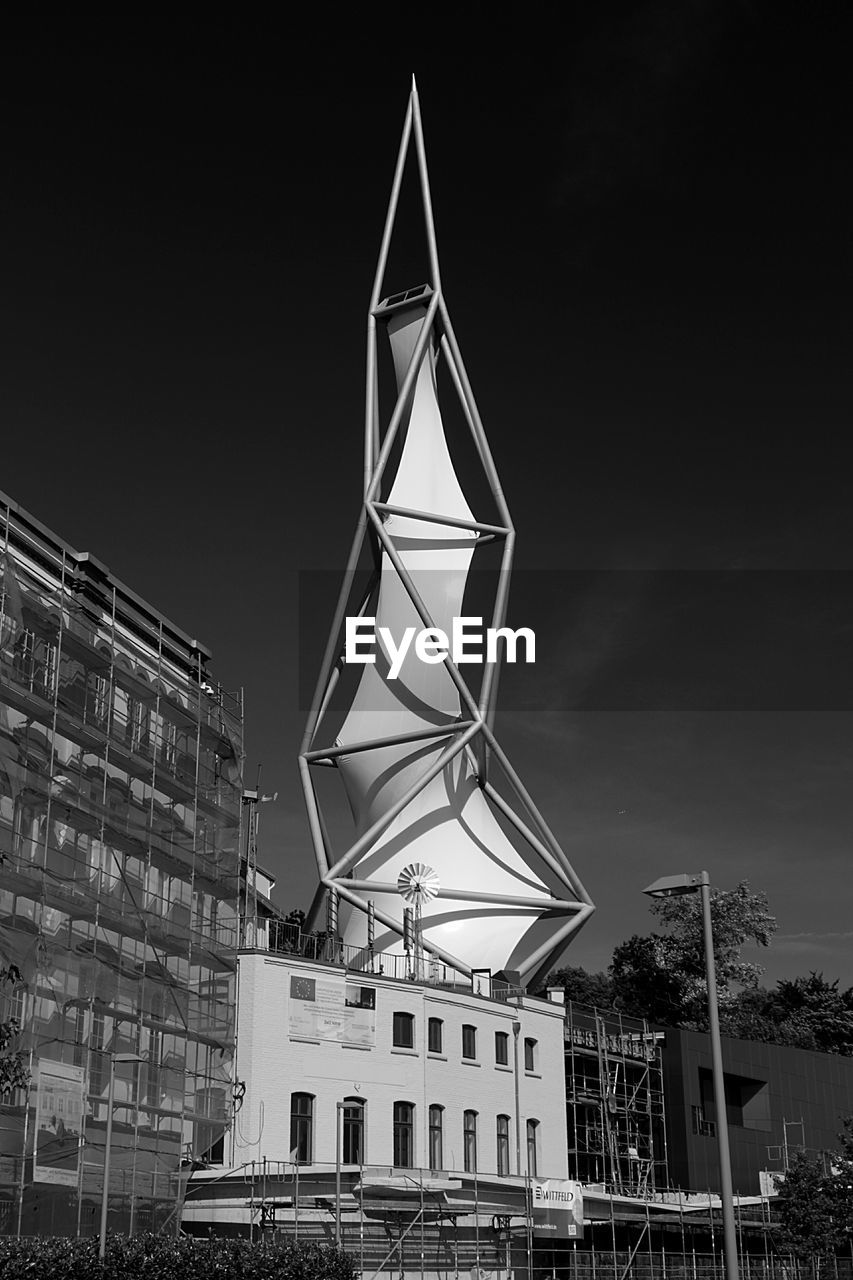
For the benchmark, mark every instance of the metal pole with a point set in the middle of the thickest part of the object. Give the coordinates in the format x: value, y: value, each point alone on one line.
x: 102, y: 1246
x: 528, y: 1220
x: 729, y: 1234
x: 338, y: 1108
x: 516, y: 1029
x: 476, y: 1212
x: 613, y: 1234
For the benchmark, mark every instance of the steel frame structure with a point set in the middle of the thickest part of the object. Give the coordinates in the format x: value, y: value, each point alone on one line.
x: 473, y: 732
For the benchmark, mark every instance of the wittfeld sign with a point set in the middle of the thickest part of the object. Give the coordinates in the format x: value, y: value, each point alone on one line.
x: 557, y: 1208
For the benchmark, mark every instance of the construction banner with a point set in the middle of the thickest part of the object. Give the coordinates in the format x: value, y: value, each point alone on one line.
x: 59, y: 1111
x: 557, y: 1208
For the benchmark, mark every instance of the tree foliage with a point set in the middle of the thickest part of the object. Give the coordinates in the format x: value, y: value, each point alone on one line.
x: 644, y: 985
x: 593, y: 989
x: 661, y: 976
x: 739, y: 917
x: 816, y: 1200
x: 808, y: 1222
x: 806, y: 1012
x: 14, y: 1073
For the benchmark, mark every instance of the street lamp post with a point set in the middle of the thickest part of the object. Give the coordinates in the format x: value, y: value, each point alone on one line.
x: 114, y: 1058
x: 669, y: 887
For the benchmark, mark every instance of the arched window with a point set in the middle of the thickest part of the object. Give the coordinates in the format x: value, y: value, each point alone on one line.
x: 436, y: 1140
x: 501, y: 1048
x: 503, y: 1146
x: 532, y: 1145
x: 353, y: 1131
x: 529, y: 1054
x: 469, y: 1140
x: 469, y: 1041
x: 435, y: 1027
x: 301, y: 1127
x: 404, y: 1135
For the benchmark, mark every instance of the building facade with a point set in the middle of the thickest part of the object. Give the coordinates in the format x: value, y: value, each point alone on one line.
x: 119, y: 868
x: 429, y: 1098
x: 776, y: 1098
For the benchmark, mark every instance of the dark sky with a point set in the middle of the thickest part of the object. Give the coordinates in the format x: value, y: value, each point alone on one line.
x: 644, y: 225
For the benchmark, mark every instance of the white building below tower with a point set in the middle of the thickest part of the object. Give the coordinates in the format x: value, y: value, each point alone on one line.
x: 433, y: 1099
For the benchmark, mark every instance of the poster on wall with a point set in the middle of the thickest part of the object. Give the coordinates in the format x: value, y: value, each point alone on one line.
x: 59, y: 1110
x: 332, y: 1009
x: 557, y: 1208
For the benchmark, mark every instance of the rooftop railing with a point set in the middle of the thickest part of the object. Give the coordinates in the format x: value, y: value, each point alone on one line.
x: 265, y: 933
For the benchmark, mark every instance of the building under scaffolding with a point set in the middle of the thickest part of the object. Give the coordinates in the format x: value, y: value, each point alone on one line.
x: 119, y: 863
x: 615, y: 1102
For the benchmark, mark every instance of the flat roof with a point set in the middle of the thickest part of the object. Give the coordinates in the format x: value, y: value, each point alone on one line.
x: 86, y: 562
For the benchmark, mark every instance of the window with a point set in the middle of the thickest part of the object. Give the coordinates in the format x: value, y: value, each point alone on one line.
x: 469, y: 1140
x: 404, y: 1030
x: 215, y: 1153
x: 529, y: 1054
x: 97, y: 699
x: 301, y: 1126
x: 503, y: 1146
x: 138, y: 725
x: 404, y: 1135
x: 705, y: 1128
x: 80, y: 1039
x: 532, y: 1158
x: 98, y: 1063
x: 435, y: 1028
x: 353, y: 1131
x: 469, y: 1042
x: 501, y: 1048
x: 436, y: 1126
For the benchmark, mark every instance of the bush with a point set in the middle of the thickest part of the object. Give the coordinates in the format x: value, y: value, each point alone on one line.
x: 161, y: 1258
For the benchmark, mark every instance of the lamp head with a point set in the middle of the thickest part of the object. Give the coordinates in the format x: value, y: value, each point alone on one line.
x: 674, y: 886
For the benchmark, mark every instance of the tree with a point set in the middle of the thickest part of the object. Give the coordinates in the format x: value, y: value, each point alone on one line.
x: 816, y: 1200
x: 816, y: 1013
x: 643, y: 984
x: 594, y: 989
x: 738, y: 917
x: 661, y: 977
x: 806, y: 1012
x: 809, y: 1223
x: 14, y: 1073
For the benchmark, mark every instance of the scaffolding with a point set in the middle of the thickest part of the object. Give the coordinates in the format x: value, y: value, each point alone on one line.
x: 615, y: 1102
x: 120, y: 768
x: 420, y: 1223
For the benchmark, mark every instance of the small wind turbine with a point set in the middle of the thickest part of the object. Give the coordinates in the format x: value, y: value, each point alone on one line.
x: 417, y: 883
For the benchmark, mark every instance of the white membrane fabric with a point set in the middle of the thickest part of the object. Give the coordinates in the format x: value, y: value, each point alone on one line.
x: 449, y: 826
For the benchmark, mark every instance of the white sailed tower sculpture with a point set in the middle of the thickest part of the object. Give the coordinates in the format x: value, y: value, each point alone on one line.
x: 427, y: 781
